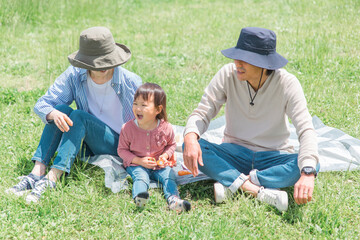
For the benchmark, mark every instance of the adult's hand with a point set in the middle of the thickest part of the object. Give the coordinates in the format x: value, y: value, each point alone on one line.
x: 192, y: 153
x: 61, y: 120
x: 304, y: 188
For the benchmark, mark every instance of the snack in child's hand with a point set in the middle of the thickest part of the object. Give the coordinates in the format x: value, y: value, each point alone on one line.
x: 161, y: 162
x: 172, y: 161
x: 170, y: 164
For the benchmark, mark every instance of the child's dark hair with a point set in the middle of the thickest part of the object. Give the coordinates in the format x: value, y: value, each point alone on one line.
x: 152, y: 89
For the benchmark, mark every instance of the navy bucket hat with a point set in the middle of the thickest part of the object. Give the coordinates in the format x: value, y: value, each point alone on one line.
x: 257, y: 46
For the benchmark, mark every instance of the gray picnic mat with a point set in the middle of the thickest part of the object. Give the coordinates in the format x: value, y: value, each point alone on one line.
x: 338, y: 151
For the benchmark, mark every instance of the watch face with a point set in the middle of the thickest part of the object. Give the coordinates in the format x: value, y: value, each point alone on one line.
x: 309, y: 170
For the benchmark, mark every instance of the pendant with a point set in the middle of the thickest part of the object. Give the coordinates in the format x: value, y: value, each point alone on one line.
x: 251, y: 103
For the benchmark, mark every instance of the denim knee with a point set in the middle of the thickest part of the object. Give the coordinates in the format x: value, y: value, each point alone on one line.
x: 77, y: 115
x: 64, y: 109
x: 203, y: 143
x: 138, y: 173
x: 171, y: 176
x: 206, y: 147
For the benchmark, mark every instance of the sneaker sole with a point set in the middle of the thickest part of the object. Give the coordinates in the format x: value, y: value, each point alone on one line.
x: 11, y: 191
x: 30, y: 199
x: 286, y: 202
x: 219, y: 193
x: 187, y: 206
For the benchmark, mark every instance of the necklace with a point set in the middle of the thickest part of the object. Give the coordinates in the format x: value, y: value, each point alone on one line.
x: 100, y: 102
x: 103, y: 99
x: 253, y: 98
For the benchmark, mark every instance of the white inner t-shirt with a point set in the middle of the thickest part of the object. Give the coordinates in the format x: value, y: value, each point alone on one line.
x: 104, y: 103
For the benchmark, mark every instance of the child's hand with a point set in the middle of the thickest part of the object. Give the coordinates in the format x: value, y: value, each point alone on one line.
x: 163, y: 160
x: 172, y: 161
x: 164, y: 156
x: 146, y: 162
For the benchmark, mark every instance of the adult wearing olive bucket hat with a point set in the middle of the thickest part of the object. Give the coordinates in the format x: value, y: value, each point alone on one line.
x: 256, y: 155
x: 103, y: 92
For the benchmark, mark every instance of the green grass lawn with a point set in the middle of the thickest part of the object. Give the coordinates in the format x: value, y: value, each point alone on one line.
x: 177, y: 45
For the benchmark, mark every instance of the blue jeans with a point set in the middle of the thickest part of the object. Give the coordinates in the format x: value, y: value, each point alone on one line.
x: 141, y: 179
x: 96, y: 135
x: 226, y: 163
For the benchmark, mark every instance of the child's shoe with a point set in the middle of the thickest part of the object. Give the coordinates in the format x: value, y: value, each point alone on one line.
x: 177, y: 204
x: 141, y: 199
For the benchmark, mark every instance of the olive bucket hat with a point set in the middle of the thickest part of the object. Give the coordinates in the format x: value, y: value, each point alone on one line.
x: 257, y: 46
x: 98, y: 50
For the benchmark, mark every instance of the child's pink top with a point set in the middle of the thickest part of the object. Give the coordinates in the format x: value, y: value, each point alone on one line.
x: 137, y: 142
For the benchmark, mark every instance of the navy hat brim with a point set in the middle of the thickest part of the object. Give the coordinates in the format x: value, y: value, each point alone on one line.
x: 271, y: 61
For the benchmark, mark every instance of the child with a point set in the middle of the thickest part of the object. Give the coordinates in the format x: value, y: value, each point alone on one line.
x: 147, y: 138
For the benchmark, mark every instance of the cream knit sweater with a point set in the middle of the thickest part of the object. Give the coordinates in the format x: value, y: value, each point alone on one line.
x: 264, y: 126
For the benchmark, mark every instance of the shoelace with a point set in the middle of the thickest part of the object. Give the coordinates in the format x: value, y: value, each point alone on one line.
x: 270, y: 197
x: 40, y: 187
x: 22, y: 185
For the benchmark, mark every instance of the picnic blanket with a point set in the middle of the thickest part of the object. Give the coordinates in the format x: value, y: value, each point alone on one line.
x: 338, y: 151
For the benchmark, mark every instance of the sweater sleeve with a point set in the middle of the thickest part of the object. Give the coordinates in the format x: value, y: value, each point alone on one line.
x: 124, y: 146
x: 171, y: 143
x: 211, y: 102
x: 299, y: 114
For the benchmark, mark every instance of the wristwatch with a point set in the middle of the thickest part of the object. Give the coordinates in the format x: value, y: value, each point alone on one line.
x: 309, y: 171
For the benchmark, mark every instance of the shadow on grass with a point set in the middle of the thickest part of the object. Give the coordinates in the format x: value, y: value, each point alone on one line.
x: 24, y: 166
x: 294, y: 214
x: 201, y: 190
x: 81, y: 171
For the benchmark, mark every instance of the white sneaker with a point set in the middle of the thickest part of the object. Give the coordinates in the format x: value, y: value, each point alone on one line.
x: 276, y: 198
x: 221, y: 192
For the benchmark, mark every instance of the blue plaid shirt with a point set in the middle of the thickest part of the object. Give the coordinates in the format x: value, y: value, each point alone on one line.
x: 71, y: 86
